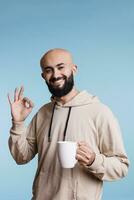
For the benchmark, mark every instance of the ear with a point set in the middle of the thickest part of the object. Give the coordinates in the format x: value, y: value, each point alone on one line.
x: 74, y: 68
x: 43, y: 76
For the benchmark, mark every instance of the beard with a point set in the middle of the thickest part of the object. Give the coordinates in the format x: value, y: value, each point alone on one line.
x: 65, y: 89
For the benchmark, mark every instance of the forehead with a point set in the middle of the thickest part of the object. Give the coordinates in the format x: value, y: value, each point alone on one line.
x: 56, y: 57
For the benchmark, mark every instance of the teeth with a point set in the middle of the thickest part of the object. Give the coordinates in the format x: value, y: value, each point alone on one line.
x: 59, y: 81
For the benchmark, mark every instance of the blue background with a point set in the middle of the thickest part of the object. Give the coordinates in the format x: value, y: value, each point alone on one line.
x: 100, y: 35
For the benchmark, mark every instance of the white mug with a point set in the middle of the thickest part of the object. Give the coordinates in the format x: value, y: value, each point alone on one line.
x: 67, y: 153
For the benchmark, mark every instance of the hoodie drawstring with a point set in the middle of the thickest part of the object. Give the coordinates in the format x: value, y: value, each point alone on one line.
x: 65, y: 130
x: 50, y: 127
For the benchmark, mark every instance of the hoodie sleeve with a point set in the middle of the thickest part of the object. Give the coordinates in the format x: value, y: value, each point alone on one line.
x: 112, y: 162
x: 22, y: 141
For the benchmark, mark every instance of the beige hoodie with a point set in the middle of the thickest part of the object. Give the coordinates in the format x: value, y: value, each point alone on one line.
x: 89, y: 121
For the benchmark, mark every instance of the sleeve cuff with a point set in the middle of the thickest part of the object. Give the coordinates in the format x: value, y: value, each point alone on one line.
x: 17, y: 127
x: 98, y: 162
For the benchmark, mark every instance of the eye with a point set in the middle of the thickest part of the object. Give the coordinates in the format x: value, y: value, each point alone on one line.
x: 48, y: 70
x: 61, y: 67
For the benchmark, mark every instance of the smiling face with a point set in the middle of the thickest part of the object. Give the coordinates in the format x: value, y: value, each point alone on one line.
x: 58, y: 71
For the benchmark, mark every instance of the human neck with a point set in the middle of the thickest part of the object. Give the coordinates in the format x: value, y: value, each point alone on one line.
x: 67, y: 97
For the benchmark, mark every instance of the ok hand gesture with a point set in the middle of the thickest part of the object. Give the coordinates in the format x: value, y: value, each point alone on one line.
x: 21, y: 107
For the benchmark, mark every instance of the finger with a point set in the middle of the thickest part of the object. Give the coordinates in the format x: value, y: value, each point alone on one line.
x: 86, y: 155
x: 87, y: 161
x: 9, y: 99
x: 16, y: 93
x: 82, y: 159
x: 84, y: 149
x: 20, y: 95
x: 28, y: 103
x: 31, y: 104
x: 80, y: 152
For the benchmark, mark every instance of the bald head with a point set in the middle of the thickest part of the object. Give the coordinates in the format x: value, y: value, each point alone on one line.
x: 58, y: 71
x: 55, y: 56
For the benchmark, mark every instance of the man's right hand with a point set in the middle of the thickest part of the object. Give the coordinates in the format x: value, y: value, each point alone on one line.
x: 21, y: 107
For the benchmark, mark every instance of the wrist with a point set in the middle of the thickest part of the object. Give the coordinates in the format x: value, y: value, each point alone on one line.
x: 17, y: 121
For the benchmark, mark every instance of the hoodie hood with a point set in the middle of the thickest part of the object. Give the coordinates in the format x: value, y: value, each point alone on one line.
x: 82, y: 98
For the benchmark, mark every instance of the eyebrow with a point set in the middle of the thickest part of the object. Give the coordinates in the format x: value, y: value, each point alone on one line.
x: 59, y: 64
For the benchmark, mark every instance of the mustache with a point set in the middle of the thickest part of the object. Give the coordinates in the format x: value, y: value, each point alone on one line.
x: 57, y: 79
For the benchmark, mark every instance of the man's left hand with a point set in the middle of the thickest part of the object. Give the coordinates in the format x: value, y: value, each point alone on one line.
x: 84, y: 154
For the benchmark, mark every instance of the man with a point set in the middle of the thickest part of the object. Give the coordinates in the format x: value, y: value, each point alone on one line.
x: 71, y: 115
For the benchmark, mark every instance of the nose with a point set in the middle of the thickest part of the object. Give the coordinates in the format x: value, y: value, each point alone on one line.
x: 56, y: 73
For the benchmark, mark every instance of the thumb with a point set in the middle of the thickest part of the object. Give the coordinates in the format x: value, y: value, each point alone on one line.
x: 28, y: 103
